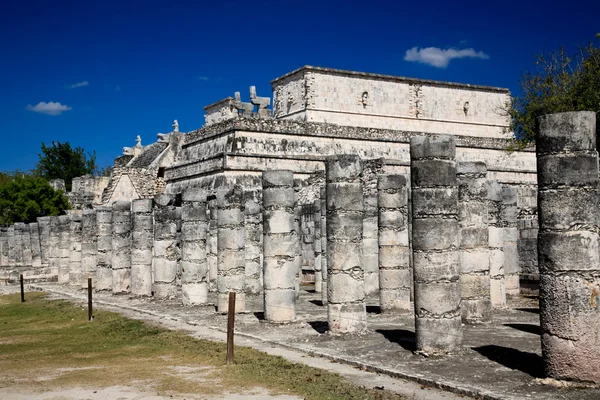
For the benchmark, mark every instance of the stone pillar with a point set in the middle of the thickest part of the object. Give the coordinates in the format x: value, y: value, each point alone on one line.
x: 230, y: 248
x: 317, y: 246
x: 166, y: 246
x: 121, y: 247
x: 19, y: 245
x: 36, y: 250
x: 142, y: 240
x: 473, y: 255
x: 194, y: 266
x: 44, y: 232
x: 298, y: 228
x: 64, y: 248
x: 496, y: 245
x: 4, y: 247
x: 438, y: 326
x: 568, y: 245
x: 280, y: 244
x: 53, y: 253
x: 75, y: 250
x: 394, y: 252
x: 508, y: 217
x: 253, y: 246
x: 324, y: 269
x: 370, y: 243
x: 104, y: 245
x: 12, y: 253
x: 346, y: 306
x: 211, y: 243
x: 89, y: 247
x: 26, y: 243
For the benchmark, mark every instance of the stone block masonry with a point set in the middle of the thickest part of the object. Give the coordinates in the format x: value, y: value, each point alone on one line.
x: 167, y: 252
x: 26, y: 244
x: 211, y: 243
x: 569, y: 217
x: 496, y: 245
x: 346, y: 305
x: 142, y: 240
x: 19, y: 227
x: 44, y: 232
x: 317, y: 246
x: 508, y: 219
x: 253, y: 228
x: 324, y: 269
x: 473, y: 256
x: 53, y: 253
x: 280, y: 246
x: 64, y: 248
x: 75, y: 250
x: 4, y: 247
x: 104, y: 219
x: 230, y: 248
x: 121, y: 247
x: 36, y: 250
x: 194, y: 232
x: 394, y: 252
x: 12, y: 248
x: 371, y: 168
x: 89, y: 247
x: 438, y: 326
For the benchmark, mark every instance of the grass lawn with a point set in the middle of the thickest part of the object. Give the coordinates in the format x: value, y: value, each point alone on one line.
x: 48, y: 344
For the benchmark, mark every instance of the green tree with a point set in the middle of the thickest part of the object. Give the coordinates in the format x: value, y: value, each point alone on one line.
x: 559, y: 83
x: 60, y: 161
x: 23, y: 198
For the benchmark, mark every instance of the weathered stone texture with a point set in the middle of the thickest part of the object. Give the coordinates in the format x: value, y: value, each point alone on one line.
x: 53, y: 253
x: 569, y: 256
x: 194, y: 231
x: 167, y: 252
x: 211, y: 243
x: 324, y: 264
x: 253, y: 231
x: 121, y: 247
x: 280, y: 246
x: 75, y: 250
x: 394, y: 259
x: 89, y: 247
x: 104, y: 244
x: 346, y: 303
x: 4, y: 247
x: 317, y: 243
x: 435, y: 233
x: 496, y: 245
x: 44, y: 232
x: 230, y: 248
x: 36, y: 250
x: 474, y: 257
x: 142, y: 241
x: 64, y: 246
x: 371, y: 169
x: 508, y: 216
x: 12, y: 248
x: 26, y: 245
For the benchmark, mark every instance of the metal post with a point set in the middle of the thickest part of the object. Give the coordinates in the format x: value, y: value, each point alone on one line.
x: 90, y: 316
x: 22, y: 289
x: 230, y: 322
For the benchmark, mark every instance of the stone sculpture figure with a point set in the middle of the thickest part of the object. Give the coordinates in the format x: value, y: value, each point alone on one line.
x: 238, y: 104
x: 163, y: 137
x: 138, y: 141
x: 261, y: 102
x: 175, y: 126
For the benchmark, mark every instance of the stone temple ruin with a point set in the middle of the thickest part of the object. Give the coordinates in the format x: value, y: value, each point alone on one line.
x: 365, y: 185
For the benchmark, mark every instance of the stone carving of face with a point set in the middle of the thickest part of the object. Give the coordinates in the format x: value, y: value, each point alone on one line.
x: 466, y: 108
x: 365, y: 99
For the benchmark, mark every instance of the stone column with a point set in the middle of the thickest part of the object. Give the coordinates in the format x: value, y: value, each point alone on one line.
x: 166, y: 246
x: 53, y: 252
x: 230, y: 248
x: 44, y: 232
x: 298, y: 228
x: 64, y: 248
x: 253, y: 246
x: 508, y: 216
x: 194, y: 266
x: 438, y: 326
x: 394, y: 252
x: 121, y: 247
x: 496, y: 245
x: 4, y: 247
x: 104, y: 245
x: 36, y: 250
x: 280, y: 244
x: 324, y: 269
x: 26, y: 243
x: 142, y: 240
x: 12, y: 253
x: 346, y: 306
x: 473, y: 255
x: 211, y: 243
x: 370, y: 243
x: 317, y: 246
x: 75, y: 250
x: 568, y: 245
x: 89, y: 247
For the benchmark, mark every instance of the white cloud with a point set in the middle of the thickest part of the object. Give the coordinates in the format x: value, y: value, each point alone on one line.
x: 440, y: 58
x: 78, y: 85
x: 50, y: 108
x: 203, y: 78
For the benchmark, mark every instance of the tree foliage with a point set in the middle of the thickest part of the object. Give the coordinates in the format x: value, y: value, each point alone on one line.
x: 60, y: 161
x: 560, y: 82
x: 23, y: 198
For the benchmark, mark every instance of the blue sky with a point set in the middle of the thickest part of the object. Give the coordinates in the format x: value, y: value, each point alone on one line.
x: 98, y: 73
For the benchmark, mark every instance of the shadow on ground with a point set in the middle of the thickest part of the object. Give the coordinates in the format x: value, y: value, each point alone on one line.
x: 529, y: 363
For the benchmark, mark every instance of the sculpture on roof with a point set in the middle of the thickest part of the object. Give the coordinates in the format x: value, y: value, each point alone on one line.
x: 138, y: 141
x: 261, y: 102
x: 163, y: 137
x: 245, y: 108
x: 175, y: 126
